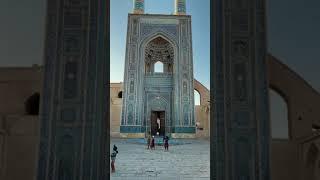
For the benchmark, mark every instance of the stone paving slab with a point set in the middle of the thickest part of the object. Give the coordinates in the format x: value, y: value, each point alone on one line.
x: 190, y: 161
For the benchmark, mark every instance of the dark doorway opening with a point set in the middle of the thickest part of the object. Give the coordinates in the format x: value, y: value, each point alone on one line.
x: 158, y: 123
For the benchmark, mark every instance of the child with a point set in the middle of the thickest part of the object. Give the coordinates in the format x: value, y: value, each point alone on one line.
x: 113, y: 158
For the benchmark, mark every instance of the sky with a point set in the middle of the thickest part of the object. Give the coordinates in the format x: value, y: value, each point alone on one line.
x: 293, y: 27
x: 200, y: 14
x: 293, y: 36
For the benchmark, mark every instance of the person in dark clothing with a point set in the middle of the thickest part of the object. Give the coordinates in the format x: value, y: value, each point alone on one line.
x: 149, y: 141
x: 113, y: 158
x: 152, y: 146
x: 166, y: 143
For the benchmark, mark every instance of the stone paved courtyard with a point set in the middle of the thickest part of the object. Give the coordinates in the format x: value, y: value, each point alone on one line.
x: 188, y: 161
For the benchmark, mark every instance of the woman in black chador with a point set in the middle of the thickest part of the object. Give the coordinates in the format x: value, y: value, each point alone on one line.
x: 113, y: 158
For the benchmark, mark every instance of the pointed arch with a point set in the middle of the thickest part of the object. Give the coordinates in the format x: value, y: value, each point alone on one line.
x: 157, y: 34
x: 152, y: 36
x: 160, y: 101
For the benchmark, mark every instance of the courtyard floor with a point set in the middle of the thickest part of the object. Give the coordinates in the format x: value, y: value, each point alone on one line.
x: 187, y: 160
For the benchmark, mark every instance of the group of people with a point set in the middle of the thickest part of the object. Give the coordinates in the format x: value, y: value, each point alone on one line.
x: 151, y: 143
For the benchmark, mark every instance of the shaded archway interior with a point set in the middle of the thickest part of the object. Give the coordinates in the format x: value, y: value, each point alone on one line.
x: 159, y: 51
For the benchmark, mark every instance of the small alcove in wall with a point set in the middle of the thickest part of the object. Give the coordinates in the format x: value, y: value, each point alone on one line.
x: 32, y: 104
x: 120, y: 94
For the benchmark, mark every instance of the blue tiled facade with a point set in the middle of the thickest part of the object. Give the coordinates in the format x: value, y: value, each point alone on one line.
x: 145, y: 90
x: 241, y: 135
x: 73, y: 138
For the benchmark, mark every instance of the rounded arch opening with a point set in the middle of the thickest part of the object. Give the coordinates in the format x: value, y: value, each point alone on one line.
x: 197, y: 98
x: 278, y: 115
x: 32, y: 104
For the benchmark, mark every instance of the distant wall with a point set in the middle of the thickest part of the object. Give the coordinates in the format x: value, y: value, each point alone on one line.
x: 19, y: 147
x: 284, y: 160
x: 16, y: 85
x: 115, y: 109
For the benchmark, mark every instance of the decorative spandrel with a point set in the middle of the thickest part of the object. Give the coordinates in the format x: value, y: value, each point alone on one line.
x: 171, y: 29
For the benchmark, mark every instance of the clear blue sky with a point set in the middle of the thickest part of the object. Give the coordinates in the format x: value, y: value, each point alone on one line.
x: 200, y: 14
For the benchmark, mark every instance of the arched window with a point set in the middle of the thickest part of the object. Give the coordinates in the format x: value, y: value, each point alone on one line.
x: 196, y: 98
x: 278, y: 116
x: 32, y: 104
x: 158, y: 67
x: 120, y: 94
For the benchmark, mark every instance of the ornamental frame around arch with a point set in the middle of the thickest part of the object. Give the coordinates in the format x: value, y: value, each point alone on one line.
x: 147, y: 39
x: 141, y: 56
x: 165, y: 106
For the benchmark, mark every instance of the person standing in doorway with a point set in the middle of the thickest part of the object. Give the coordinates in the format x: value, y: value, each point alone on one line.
x: 158, y: 122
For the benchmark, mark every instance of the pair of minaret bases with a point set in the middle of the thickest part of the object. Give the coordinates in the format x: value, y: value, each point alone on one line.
x: 179, y: 7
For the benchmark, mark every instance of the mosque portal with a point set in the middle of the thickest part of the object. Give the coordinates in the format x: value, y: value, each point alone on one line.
x: 158, y: 80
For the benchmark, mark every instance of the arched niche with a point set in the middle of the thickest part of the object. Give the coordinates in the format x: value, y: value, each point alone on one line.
x: 32, y: 104
x: 159, y: 52
x: 120, y: 94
